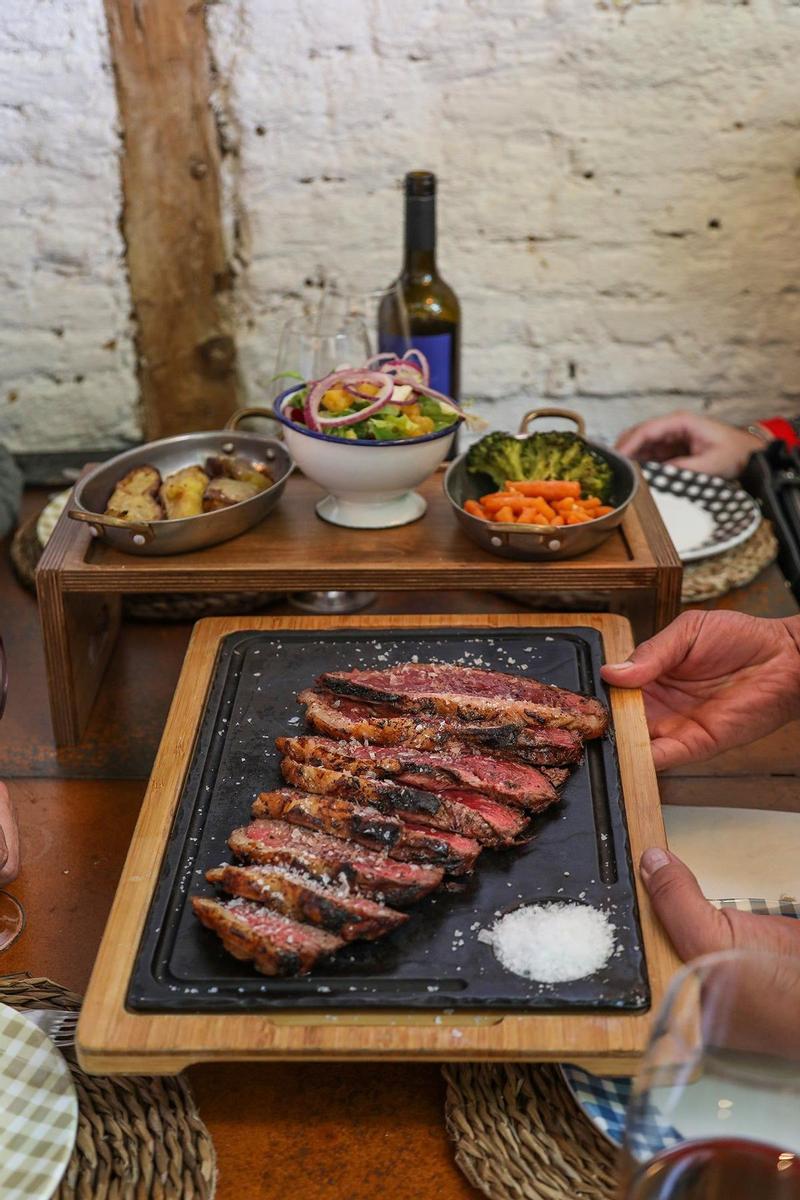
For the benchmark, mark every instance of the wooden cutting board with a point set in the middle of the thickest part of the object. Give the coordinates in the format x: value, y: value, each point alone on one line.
x: 112, y: 1039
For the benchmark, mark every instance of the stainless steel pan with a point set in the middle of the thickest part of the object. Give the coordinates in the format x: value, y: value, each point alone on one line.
x: 92, y: 493
x: 538, y: 542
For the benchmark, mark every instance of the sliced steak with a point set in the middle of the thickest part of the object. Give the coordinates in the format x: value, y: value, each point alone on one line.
x: 365, y: 825
x: 389, y: 797
x: 277, y: 843
x: 298, y: 897
x: 383, y: 725
x: 470, y: 694
x: 274, y: 944
x: 558, y: 776
x: 330, y: 814
x: 512, y: 783
x: 508, y: 824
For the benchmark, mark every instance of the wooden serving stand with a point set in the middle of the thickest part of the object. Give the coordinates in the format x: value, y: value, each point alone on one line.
x: 112, y: 1040
x: 80, y: 581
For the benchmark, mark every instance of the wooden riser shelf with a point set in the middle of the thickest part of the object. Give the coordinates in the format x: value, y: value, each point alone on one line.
x: 80, y: 581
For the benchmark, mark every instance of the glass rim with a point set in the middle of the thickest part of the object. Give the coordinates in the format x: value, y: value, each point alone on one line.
x: 312, y: 330
x: 23, y: 919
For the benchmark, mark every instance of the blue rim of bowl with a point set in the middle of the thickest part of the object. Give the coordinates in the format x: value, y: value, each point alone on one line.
x: 330, y: 437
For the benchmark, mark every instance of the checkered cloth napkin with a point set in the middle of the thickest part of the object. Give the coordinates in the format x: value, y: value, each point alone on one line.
x: 38, y: 1110
x: 605, y: 1100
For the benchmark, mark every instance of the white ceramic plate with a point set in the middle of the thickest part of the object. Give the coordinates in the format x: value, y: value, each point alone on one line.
x: 38, y: 1110
x: 704, y: 514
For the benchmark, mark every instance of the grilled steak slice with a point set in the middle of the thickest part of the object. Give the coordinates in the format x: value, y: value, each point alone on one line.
x: 558, y: 776
x: 389, y: 797
x: 383, y: 725
x: 298, y: 897
x: 513, y: 783
x: 329, y: 814
x: 277, y: 843
x: 368, y: 827
x: 508, y: 824
x: 274, y: 944
x: 471, y: 694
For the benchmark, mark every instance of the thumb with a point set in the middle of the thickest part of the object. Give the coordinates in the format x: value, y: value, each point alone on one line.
x: 694, y: 926
x: 657, y: 656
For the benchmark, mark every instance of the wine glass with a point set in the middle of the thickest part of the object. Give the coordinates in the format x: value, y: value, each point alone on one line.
x: 382, y: 310
x: 714, y: 1110
x: 311, y: 349
x: 12, y: 914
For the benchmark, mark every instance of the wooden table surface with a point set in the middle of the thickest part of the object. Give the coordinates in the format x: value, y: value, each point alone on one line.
x: 331, y: 1132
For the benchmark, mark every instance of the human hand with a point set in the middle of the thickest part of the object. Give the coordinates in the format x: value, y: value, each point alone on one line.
x: 9, y: 839
x: 689, y: 440
x: 695, y: 926
x: 759, y: 993
x: 713, y: 680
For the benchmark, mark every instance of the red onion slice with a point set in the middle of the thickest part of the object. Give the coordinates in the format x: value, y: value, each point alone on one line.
x: 342, y: 378
x: 422, y: 365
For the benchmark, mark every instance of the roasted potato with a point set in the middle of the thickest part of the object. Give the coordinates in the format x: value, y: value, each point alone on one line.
x: 234, y: 467
x: 135, y: 498
x: 222, y: 493
x: 182, y: 493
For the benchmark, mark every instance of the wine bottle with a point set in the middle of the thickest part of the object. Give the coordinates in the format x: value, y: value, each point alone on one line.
x: 432, y: 316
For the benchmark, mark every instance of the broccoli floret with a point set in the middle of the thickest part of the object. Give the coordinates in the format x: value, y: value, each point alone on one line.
x: 498, y: 455
x: 561, y: 455
x: 554, y: 454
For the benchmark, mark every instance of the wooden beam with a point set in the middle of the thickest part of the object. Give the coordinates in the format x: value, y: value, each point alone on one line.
x: 172, y: 215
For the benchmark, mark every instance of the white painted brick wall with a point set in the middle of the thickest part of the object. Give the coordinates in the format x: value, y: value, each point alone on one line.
x: 67, y: 366
x: 583, y: 151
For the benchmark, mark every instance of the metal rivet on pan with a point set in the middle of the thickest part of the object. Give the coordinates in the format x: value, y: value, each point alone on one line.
x: 228, y: 448
x: 138, y: 539
x: 496, y: 541
x: 94, y: 531
x: 270, y: 454
x: 554, y: 545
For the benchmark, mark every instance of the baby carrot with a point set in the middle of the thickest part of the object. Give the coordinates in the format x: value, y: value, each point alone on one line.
x: 505, y: 515
x: 548, y: 489
x: 559, y: 520
x: 603, y: 510
x: 474, y: 509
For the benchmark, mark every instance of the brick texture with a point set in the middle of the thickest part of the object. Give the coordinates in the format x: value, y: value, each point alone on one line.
x: 67, y: 365
x: 619, y: 196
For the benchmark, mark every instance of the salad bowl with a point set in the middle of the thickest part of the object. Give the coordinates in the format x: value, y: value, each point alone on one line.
x: 370, y: 484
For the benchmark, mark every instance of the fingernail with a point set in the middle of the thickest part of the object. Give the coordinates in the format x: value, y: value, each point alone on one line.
x: 623, y: 666
x: 653, y: 860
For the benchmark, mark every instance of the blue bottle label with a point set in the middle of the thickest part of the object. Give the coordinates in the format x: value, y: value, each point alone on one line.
x: 437, y: 348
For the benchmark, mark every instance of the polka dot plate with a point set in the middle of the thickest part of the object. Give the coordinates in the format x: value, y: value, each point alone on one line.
x: 704, y: 514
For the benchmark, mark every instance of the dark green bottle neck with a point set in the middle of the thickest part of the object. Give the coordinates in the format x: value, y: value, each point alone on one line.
x: 420, y: 240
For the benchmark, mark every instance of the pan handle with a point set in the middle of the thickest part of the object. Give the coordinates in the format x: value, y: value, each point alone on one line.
x: 242, y: 414
x: 145, y: 532
x: 535, y: 413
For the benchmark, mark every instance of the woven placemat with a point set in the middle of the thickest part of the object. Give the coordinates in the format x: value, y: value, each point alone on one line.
x: 139, y: 1137
x: 519, y: 1135
x: 734, y: 568
x: 26, y: 550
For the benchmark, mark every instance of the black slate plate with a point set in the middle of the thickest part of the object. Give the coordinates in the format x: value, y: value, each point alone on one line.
x: 580, y: 851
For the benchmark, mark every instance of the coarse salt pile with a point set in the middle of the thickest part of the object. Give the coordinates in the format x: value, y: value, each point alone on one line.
x: 552, y: 943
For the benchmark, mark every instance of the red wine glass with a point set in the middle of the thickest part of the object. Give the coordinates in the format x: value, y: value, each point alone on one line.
x: 714, y: 1109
